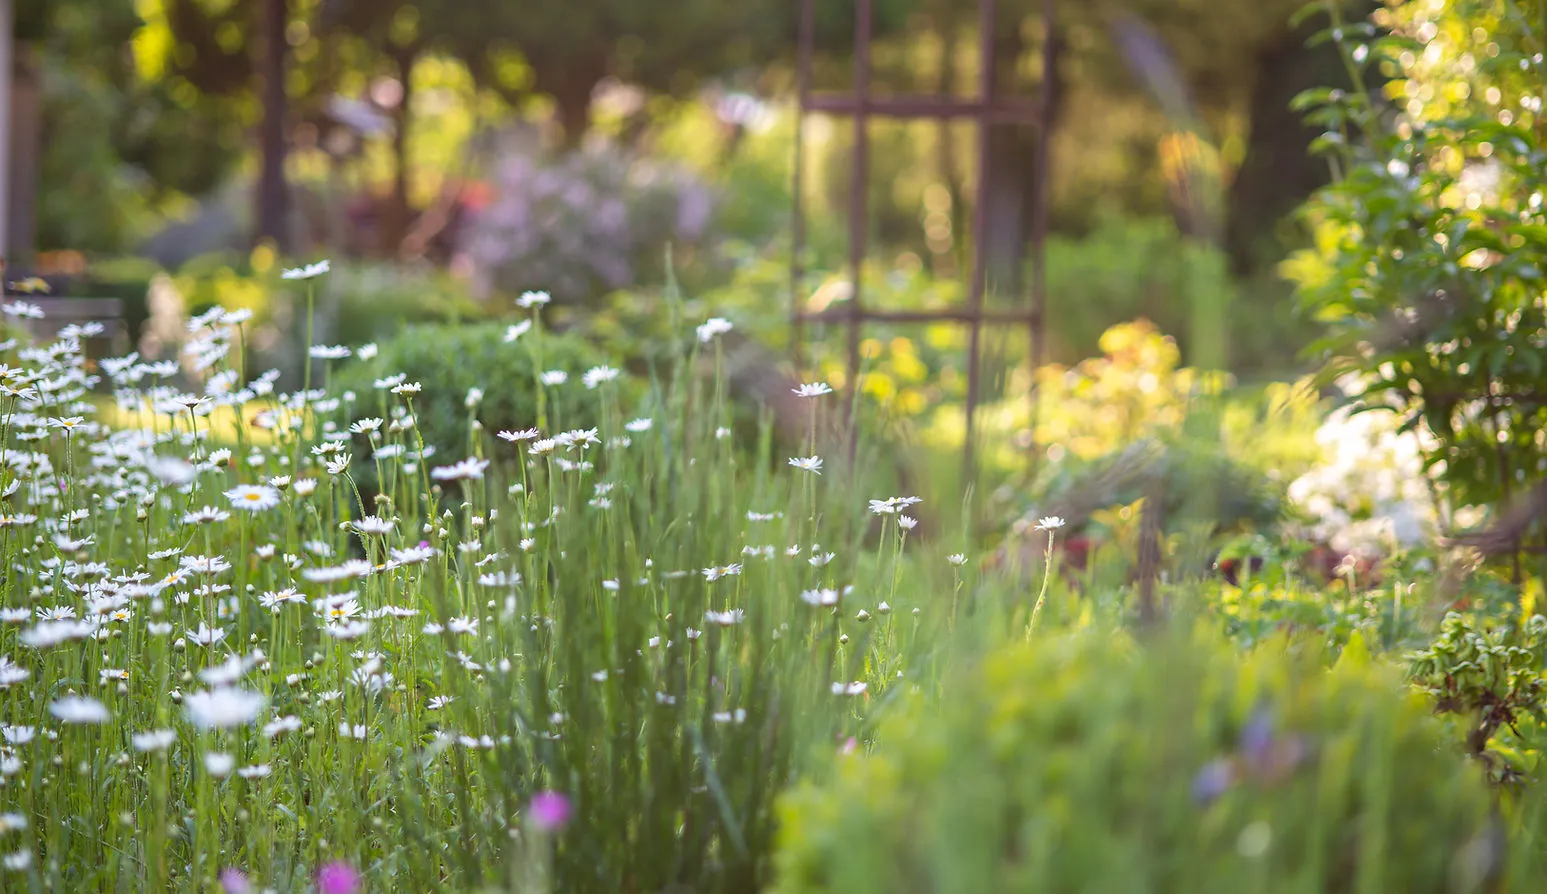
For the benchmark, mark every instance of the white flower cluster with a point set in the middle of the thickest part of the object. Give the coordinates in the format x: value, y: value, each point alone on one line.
x: 1371, y: 493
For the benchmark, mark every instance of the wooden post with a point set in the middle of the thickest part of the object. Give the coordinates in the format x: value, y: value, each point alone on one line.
x: 25, y: 145
x: 7, y: 60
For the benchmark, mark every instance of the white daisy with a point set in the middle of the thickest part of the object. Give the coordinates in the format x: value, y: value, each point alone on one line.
x: 253, y: 498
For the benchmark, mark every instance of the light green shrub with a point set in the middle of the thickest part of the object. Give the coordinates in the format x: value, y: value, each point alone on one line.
x: 1087, y: 764
x: 449, y: 360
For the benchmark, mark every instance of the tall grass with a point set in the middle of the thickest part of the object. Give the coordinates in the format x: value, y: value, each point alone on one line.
x: 226, y: 663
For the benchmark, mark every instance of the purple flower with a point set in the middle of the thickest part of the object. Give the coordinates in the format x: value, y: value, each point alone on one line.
x: 234, y: 881
x: 337, y: 877
x: 550, y: 811
x: 1212, y: 781
x: 1257, y: 738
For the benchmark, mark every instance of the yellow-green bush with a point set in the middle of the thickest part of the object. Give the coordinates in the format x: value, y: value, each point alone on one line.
x: 1089, y: 764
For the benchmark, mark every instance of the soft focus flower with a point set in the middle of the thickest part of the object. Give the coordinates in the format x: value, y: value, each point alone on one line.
x: 728, y: 618
x: 596, y: 375
x: 1050, y: 523
x: 822, y: 596
x: 712, y: 327
x: 471, y: 468
x: 78, y: 709
x: 529, y: 300
x: 234, y: 881
x: 514, y: 332
x: 155, y: 740
x: 253, y: 498
x: 812, y: 389
x: 223, y: 708
x: 550, y: 811
x: 337, y: 877
x: 807, y: 463
x: 219, y: 763
x: 310, y: 271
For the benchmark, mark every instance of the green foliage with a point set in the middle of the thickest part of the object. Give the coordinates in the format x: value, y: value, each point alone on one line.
x: 1127, y: 268
x: 1084, y: 763
x: 1491, y: 678
x: 374, y: 302
x: 449, y: 361
x: 1428, y: 263
x: 114, y: 145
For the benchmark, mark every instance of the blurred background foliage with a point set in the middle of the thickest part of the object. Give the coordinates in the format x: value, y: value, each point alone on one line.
x: 566, y: 147
x: 631, y: 159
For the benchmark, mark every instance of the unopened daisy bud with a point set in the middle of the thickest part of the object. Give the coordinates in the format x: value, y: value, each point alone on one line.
x: 883, y: 609
x: 843, y: 639
x: 862, y: 616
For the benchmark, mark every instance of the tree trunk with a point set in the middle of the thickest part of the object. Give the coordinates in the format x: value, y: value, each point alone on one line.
x: 272, y: 198
x: 1278, y: 172
x: 572, y: 90
x: 1011, y: 193
x: 26, y: 147
x: 574, y: 114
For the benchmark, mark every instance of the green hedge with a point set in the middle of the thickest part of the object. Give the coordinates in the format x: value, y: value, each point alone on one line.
x: 448, y: 360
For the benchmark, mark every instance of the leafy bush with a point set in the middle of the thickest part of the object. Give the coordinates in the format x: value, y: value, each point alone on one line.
x: 449, y: 361
x: 374, y: 302
x: 1491, y: 678
x: 1087, y: 764
x: 1427, y: 265
x: 1144, y: 267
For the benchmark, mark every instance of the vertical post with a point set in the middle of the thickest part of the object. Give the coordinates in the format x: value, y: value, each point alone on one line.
x: 803, y: 52
x: 7, y: 64
x: 272, y: 198
x: 859, y: 202
x: 987, y: 18
x: 1039, y: 221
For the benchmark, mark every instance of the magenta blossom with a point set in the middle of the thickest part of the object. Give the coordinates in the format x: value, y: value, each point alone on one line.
x: 234, y: 881
x: 337, y: 877
x: 550, y: 811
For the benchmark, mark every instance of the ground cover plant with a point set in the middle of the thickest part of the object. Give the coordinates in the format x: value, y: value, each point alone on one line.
x: 1090, y: 762
x: 546, y: 658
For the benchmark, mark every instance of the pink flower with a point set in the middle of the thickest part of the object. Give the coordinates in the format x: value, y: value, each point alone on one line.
x: 234, y: 881
x: 337, y: 877
x: 550, y: 811
x: 849, y: 747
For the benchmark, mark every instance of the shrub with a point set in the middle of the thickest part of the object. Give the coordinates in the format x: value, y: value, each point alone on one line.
x: 1426, y: 264
x: 373, y: 302
x: 585, y: 224
x: 448, y: 361
x: 1087, y: 764
x: 1492, y: 679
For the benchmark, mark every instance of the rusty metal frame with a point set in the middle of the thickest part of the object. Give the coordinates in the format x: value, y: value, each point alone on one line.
x: 986, y: 110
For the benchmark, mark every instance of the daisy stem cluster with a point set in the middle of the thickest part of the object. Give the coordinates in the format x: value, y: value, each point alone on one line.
x: 582, y: 660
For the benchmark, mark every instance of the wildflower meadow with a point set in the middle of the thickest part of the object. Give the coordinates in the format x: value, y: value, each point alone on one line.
x: 227, y: 662
x: 773, y: 447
